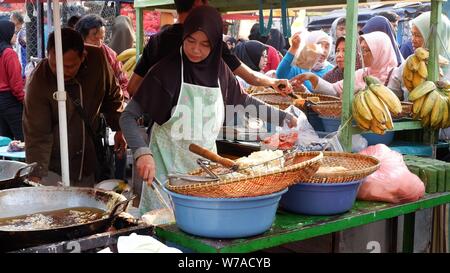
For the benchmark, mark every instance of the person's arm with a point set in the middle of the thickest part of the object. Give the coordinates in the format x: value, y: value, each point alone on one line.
x: 285, y: 69
x: 133, y: 84
x: 112, y: 105
x: 142, y: 154
x: 253, y: 77
x: 37, y: 128
x: 148, y: 58
x: 258, y: 79
x: 236, y: 96
x: 319, y: 85
x: 131, y: 130
x: 395, y: 81
x: 13, y: 72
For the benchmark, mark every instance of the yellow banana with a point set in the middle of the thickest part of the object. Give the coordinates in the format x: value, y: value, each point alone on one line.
x: 413, y: 63
x: 129, y: 64
x: 421, y: 90
x: 362, y: 123
x: 407, y: 74
x: 421, y: 53
x: 437, y: 112
x: 375, y: 106
x: 417, y: 104
x: 423, y: 70
x: 361, y: 106
x: 425, y: 121
x: 126, y: 54
x: 371, y: 80
x: 445, y: 114
x: 388, y: 117
x: 417, y: 79
x: 377, y: 128
x: 428, y: 104
x: 408, y: 84
x: 387, y: 96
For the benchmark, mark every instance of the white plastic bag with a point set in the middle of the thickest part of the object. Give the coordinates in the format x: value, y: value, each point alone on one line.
x: 359, y: 143
x: 306, y: 133
x: 307, y: 55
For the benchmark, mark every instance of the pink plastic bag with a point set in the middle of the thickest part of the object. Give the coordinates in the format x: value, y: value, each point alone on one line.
x: 392, y: 182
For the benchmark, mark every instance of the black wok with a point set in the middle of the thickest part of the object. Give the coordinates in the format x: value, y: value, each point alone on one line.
x: 25, y: 201
x: 13, y: 173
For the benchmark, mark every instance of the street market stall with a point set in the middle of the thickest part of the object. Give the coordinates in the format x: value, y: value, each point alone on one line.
x: 290, y: 227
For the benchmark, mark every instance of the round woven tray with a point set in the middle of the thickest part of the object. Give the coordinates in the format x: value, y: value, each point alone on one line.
x: 322, y: 98
x: 358, y: 167
x: 259, y: 89
x: 274, y: 99
x: 328, y: 109
x: 303, y: 166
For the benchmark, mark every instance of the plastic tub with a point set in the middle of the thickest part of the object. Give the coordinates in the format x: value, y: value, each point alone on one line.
x: 314, y: 120
x: 332, y: 125
x: 373, y: 139
x: 225, y: 217
x: 320, y: 199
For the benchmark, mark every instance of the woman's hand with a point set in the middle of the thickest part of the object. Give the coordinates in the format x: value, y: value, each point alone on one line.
x: 120, y: 145
x: 296, y: 40
x: 300, y: 79
x: 145, y: 166
x: 282, y: 86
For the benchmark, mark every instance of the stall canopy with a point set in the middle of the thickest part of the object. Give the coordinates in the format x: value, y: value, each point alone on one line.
x: 243, y: 5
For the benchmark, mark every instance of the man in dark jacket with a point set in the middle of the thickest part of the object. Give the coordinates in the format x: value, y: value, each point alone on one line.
x: 89, y: 80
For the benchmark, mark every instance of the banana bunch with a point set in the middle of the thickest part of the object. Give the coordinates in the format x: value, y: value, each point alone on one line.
x: 415, y: 70
x: 128, y: 59
x: 372, y: 107
x: 431, y: 104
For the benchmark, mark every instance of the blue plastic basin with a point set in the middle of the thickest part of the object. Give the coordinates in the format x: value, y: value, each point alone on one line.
x: 320, y: 199
x: 373, y: 139
x: 314, y: 120
x: 332, y: 125
x: 225, y: 217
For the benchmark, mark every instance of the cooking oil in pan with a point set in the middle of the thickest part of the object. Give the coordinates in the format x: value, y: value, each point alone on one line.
x: 52, y: 219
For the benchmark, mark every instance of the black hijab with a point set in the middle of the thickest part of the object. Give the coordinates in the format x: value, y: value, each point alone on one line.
x: 160, y: 88
x: 276, y: 40
x: 209, y: 21
x: 250, y: 52
x: 255, y: 34
x: 6, y: 34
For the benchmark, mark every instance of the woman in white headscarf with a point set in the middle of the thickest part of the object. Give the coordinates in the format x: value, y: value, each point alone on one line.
x: 337, y: 31
x: 286, y: 70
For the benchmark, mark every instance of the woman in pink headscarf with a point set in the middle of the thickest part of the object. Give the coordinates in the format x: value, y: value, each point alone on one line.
x: 378, y: 58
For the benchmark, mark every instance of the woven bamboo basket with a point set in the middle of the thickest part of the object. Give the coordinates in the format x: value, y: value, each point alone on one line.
x: 357, y: 167
x: 332, y: 109
x: 259, y: 89
x: 275, y: 99
x: 300, y: 168
x: 406, y: 111
x: 322, y: 98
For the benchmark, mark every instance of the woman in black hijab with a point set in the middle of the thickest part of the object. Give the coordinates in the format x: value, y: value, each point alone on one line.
x: 252, y: 54
x: 184, y: 94
x: 11, y: 85
x: 276, y: 40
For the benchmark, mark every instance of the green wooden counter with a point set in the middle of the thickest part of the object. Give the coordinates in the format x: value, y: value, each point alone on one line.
x: 289, y: 227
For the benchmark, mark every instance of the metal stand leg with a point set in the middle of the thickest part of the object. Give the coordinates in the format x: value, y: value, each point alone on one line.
x: 408, y: 232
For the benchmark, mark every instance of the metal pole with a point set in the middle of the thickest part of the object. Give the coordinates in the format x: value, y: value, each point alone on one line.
x: 60, y: 96
x: 40, y: 30
x: 351, y: 24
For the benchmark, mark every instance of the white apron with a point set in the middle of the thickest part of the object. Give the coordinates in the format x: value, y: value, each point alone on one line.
x: 198, y: 117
